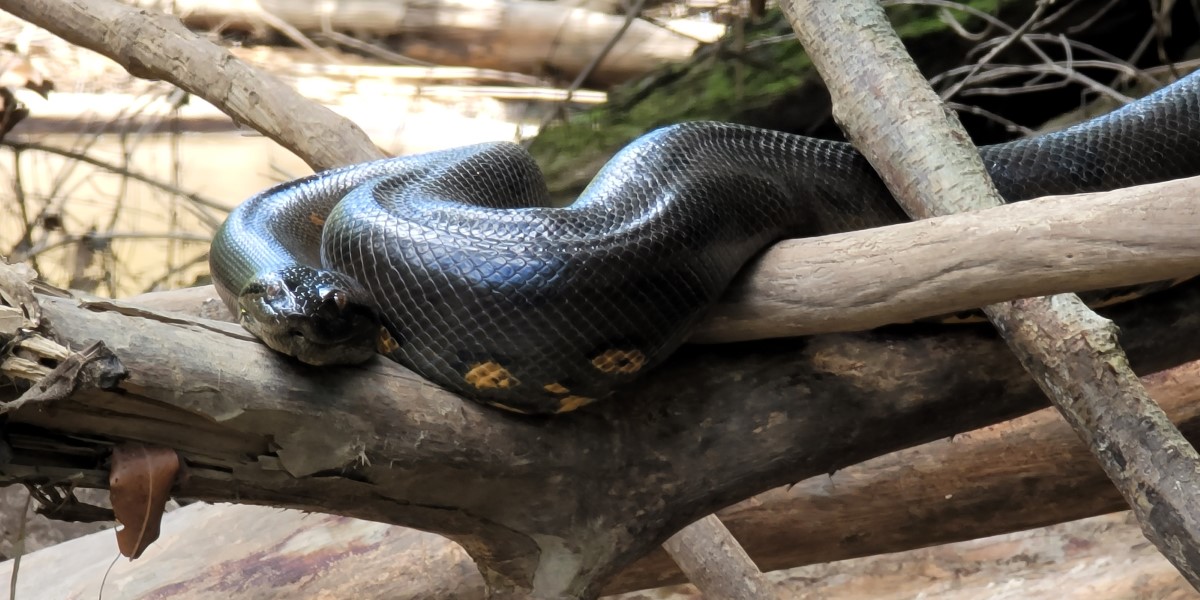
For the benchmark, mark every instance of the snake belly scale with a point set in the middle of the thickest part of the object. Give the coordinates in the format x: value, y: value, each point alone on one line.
x: 487, y: 292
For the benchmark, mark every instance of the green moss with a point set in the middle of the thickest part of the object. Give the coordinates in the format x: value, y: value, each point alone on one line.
x: 721, y: 84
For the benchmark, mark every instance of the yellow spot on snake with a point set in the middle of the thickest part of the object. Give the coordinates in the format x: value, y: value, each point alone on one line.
x: 316, y: 219
x: 386, y: 344
x: 490, y: 376
x: 571, y: 403
x: 555, y: 388
x: 622, y: 362
x: 508, y: 408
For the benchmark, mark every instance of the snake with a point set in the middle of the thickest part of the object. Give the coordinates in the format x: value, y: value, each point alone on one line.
x: 454, y: 264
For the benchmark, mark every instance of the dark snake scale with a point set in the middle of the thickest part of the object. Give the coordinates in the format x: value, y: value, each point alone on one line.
x: 490, y: 294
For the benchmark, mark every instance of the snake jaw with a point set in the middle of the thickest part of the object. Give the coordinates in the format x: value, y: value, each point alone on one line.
x: 316, y: 316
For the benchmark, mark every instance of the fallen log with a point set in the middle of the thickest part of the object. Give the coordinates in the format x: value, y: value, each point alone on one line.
x: 525, y: 36
x: 1016, y: 475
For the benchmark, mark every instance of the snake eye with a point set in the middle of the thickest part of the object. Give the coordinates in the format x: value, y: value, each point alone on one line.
x: 337, y: 298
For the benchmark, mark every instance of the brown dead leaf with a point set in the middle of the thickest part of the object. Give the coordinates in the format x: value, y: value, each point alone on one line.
x: 139, y: 485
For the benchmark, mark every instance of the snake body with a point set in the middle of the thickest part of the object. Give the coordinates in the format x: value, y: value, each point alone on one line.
x: 487, y: 292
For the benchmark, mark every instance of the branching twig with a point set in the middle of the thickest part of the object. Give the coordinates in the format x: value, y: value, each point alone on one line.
x: 103, y: 237
x: 210, y: 220
x: 1000, y: 46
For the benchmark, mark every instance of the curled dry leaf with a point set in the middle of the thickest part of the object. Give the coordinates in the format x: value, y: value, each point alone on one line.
x: 139, y: 485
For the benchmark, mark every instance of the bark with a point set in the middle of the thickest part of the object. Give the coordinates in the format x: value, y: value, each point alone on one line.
x: 901, y: 273
x: 930, y: 165
x: 526, y: 36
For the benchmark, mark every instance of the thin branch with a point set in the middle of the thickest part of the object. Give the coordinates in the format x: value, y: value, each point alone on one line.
x: 338, y: 37
x: 1009, y: 124
x: 793, y: 291
x: 1001, y: 45
x: 716, y: 564
x: 296, y: 36
x: 212, y: 221
x: 199, y: 259
x: 103, y: 237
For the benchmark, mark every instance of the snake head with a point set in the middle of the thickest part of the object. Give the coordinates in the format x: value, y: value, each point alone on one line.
x: 317, y: 316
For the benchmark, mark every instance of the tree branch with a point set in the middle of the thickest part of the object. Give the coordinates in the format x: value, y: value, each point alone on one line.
x: 715, y: 563
x: 865, y: 279
x: 930, y: 165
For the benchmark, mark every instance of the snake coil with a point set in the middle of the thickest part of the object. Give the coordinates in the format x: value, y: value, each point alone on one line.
x: 487, y: 292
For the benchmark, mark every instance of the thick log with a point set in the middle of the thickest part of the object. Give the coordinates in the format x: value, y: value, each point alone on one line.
x: 1016, y: 475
